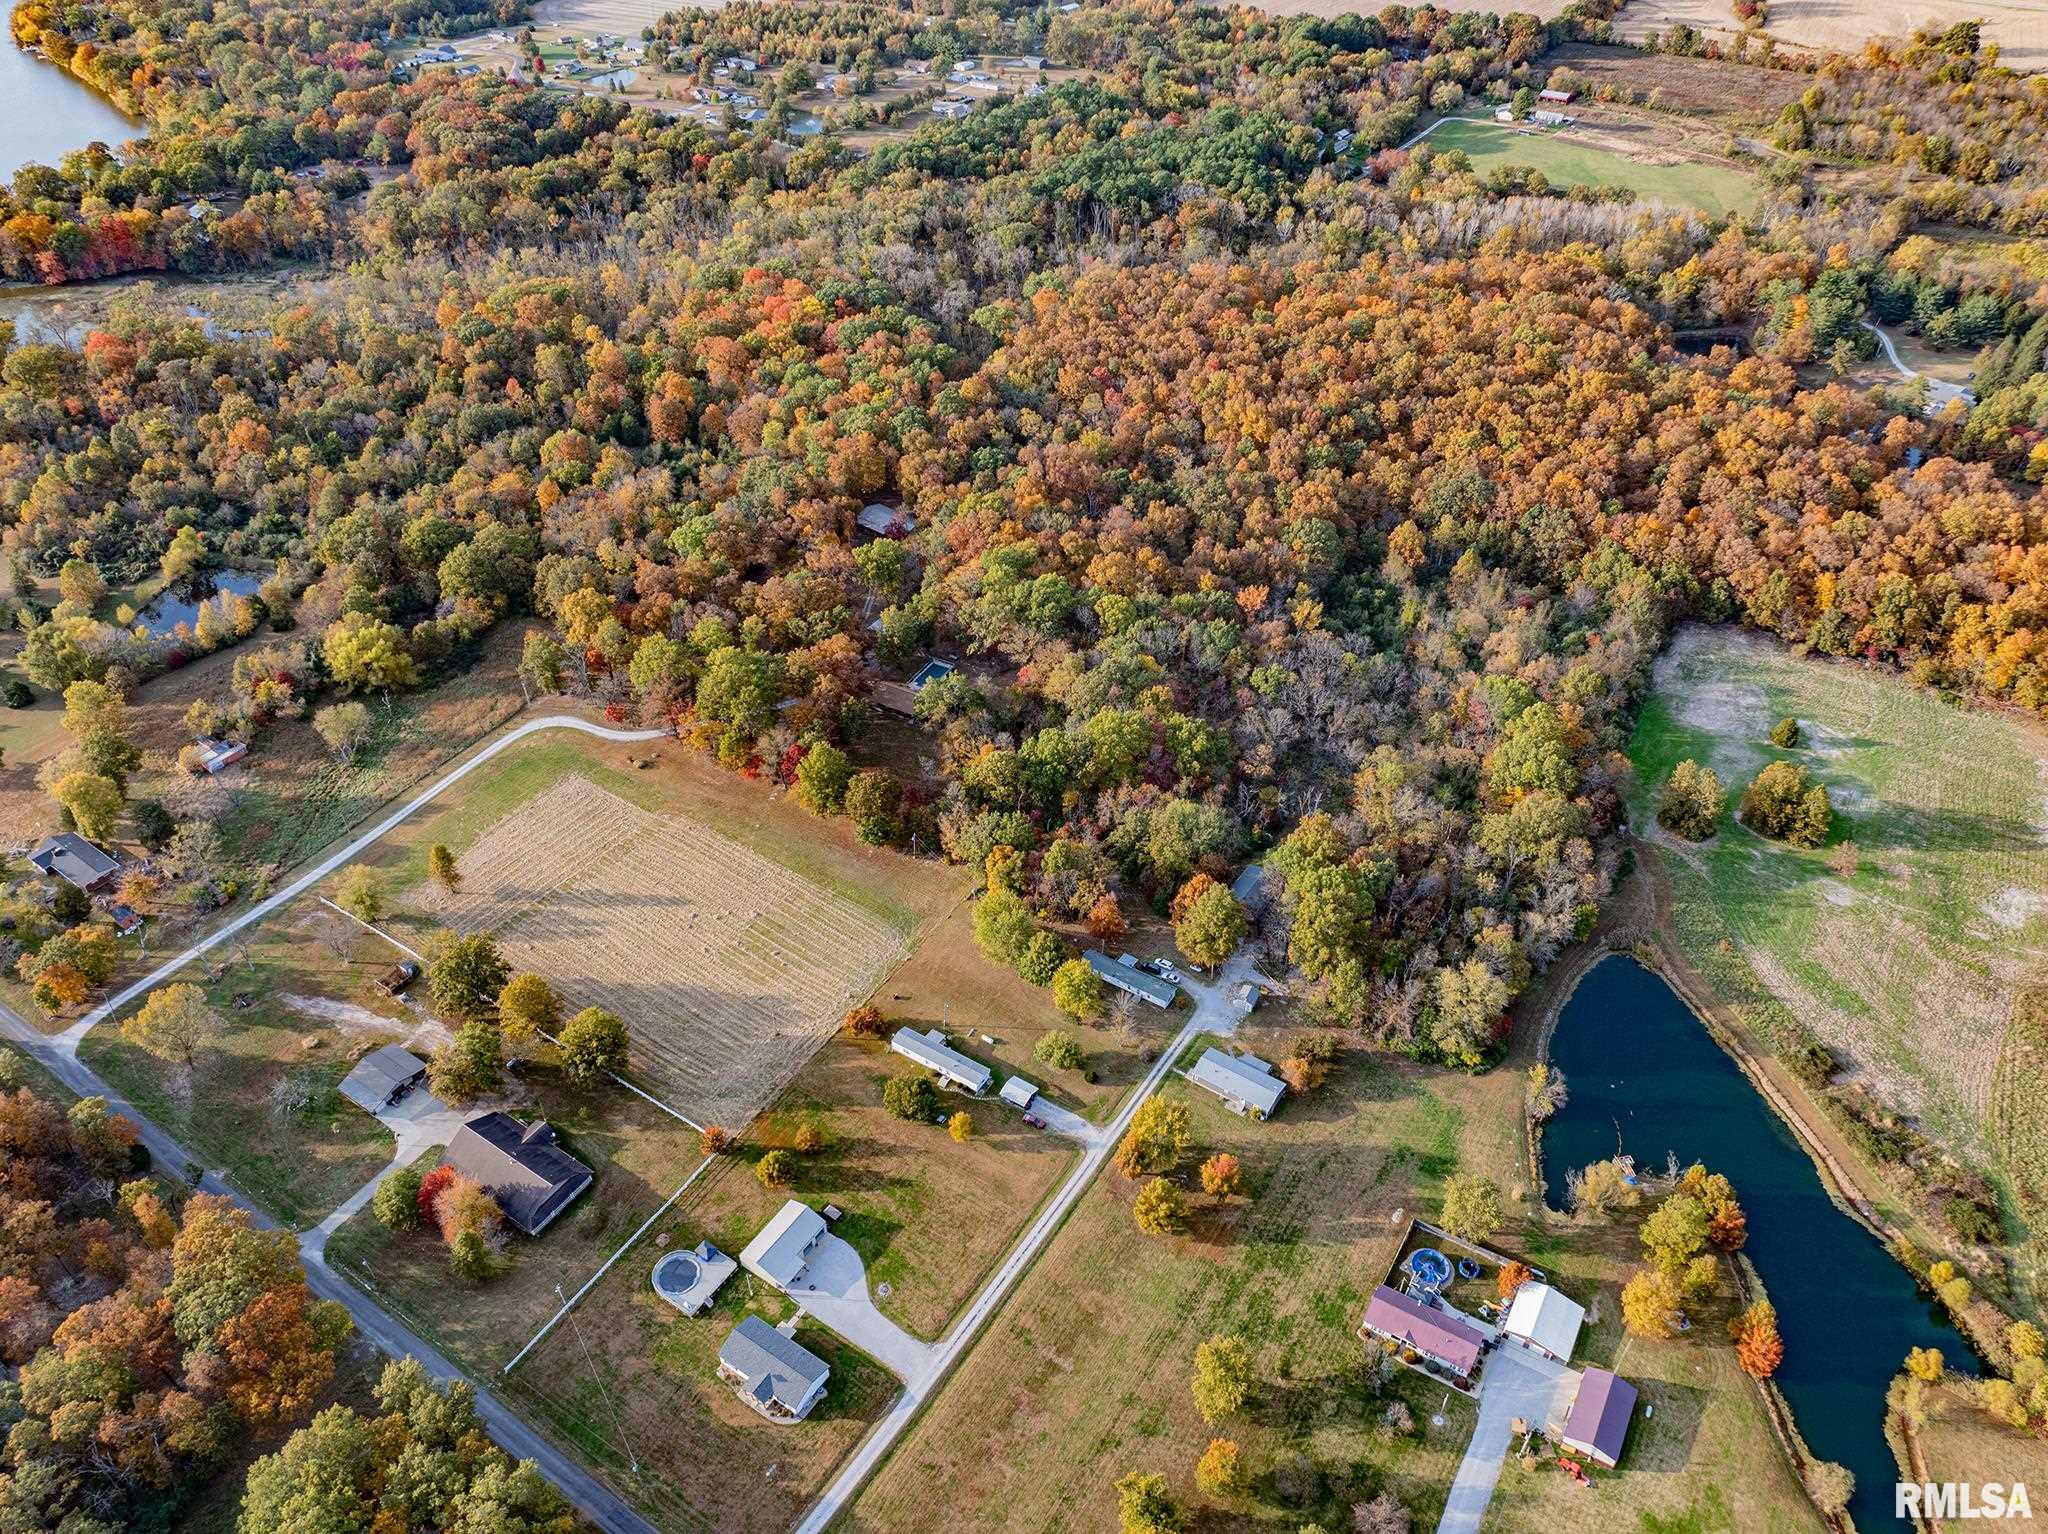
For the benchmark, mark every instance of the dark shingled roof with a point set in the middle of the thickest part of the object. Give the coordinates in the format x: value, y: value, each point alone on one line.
x: 532, y: 1178
x: 1435, y: 1332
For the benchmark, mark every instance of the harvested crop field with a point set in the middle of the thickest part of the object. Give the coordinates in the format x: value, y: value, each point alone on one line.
x: 729, y: 968
x: 1901, y: 943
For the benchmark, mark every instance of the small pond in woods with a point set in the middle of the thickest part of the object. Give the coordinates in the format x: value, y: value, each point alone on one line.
x: 1646, y: 1079
x: 180, y: 603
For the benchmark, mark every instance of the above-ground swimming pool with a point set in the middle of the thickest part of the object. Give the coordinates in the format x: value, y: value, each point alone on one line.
x: 1432, y: 1269
x: 676, y: 1275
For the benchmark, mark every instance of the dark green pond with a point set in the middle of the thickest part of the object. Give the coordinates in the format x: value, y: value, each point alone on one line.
x: 1646, y: 1078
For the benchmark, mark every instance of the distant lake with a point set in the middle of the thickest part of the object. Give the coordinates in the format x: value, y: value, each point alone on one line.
x: 49, y: 112
x: 1647, y: 1079
x: 180, y: 604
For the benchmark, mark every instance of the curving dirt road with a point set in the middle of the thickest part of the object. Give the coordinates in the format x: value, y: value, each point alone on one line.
x: 59, y: 1055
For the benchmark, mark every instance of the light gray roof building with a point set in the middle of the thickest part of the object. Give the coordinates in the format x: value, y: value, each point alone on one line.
x: 382, y: 1077
x: 776, y: 1375
x: 781, y: 1251
x: 1018, y: 1092
x: 882, y: 519
x: 1250, y: 888
x: 1127, y: 977
x: 931, y: 1051
x: 1245, y: 1082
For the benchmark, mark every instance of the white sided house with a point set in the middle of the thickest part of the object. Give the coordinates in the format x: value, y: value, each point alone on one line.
x: 1544, y: 1320
x: 1124, y: 974
x: 1246, y: 1083
x: 931, y: 1051
x: 782, y: 1250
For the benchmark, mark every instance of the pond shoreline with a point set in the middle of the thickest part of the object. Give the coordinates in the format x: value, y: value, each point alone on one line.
x: 1642, y: 936
x: 1633, y: 927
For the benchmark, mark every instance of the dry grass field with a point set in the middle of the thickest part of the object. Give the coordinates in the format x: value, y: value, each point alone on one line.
x: 1083, y: 1373
x: 730, y: 968
x: 945, y: 983
x: 1958, y: 1442
x: 929, y: 1216
x: 2019, y: 27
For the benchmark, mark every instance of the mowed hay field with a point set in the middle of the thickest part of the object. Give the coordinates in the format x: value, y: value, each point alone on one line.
x: 730, y: 953
x: 1567, y: 160
x: 1903, y: 952
x: 1083, y: 1373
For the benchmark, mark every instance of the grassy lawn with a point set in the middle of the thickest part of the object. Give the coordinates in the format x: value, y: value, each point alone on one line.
x: 1083, y: 1374
x: 261, y: 1102
x: 628, y: 1378
x: 1900, y: 944
x: 1704, y: 1416
x: 641, y: 1156
x: 930, y: 1218
x: 945, y: 983
x: 1712, y: 189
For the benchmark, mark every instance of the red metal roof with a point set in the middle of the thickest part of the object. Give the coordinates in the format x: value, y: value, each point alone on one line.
x: 1600, y: 1413
x: 1436, y: 1332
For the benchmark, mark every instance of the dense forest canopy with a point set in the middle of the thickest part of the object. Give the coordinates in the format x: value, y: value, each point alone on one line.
x: 1285, y: 489
x: 1326, y: 504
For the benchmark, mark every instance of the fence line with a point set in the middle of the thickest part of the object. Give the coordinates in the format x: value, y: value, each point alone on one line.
x: 570, y: 1304
x: 370, y: 926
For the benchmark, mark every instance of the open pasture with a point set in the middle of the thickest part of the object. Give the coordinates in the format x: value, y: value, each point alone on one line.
x: 1901, y: 944
x: 1571, y: 157
x: 729, y: 968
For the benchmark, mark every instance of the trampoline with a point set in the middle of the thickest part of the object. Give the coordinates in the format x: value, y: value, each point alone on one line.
x: 1432, y: 1269
x: 1467, y: 1268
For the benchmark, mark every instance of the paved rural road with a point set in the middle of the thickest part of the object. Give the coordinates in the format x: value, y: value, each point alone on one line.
x: 59, y: 1054
x: 1213, y: 1014
x: 1939, y: 392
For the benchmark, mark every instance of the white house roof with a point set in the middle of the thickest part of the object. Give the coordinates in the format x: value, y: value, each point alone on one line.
x: 1241, y: 1078
x: 933, y: 1052
x: 1018, y: 1092
x: 1545, y: 1317
x: 782, y: 1249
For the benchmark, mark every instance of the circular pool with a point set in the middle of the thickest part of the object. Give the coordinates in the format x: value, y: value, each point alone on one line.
x: 676, y: 1274
x: 1432, y: 1269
